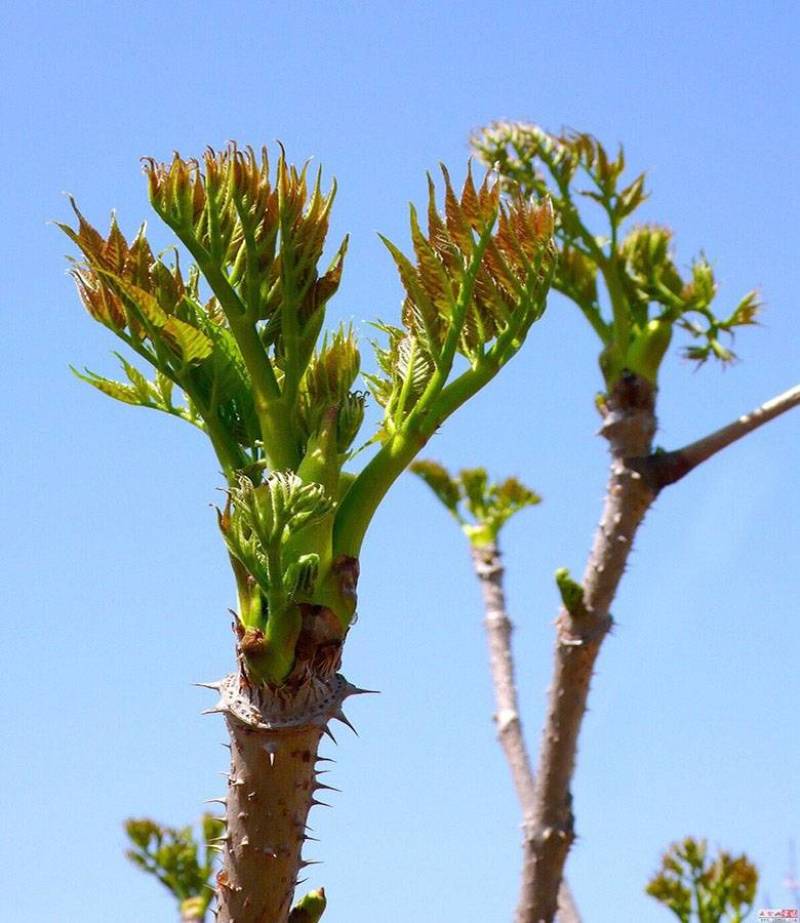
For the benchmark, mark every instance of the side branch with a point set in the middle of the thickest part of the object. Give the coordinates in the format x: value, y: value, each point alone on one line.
x: 489, y: 571
x: 667, y: 468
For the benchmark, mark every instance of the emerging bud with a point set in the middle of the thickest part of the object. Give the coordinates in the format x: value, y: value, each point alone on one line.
x: 490, y: 505
x: 349, y: 419
x: 329, y: 377
x: 310, y: 908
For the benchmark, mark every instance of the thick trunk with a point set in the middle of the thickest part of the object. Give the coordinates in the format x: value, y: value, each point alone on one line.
x: 629, y: 426
x: 275, y: 737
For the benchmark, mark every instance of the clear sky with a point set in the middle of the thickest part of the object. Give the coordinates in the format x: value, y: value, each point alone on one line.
x: 115, y: 582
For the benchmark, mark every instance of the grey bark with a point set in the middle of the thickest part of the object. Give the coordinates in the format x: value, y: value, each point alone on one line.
x: 489, y: 570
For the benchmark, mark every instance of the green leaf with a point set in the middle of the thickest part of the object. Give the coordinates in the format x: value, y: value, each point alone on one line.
x: 438, y: 478
x: 164, y: 386
x: 140, y: 383
x: 115, y: 389
x: 475, y: 482
x: 145, y: 303
x: 194, y: 345
x: 631, y: 198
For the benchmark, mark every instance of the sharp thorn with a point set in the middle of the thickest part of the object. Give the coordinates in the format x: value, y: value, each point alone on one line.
x: 354, y: 690
x: 340, y: 716
x: 217, y: 709
x: 217, y: 687
x: 327, y: 730
x: 222, y: 801
x: 329, y: 788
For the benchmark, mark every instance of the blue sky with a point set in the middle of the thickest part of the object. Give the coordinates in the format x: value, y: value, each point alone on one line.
x: 115, y: 581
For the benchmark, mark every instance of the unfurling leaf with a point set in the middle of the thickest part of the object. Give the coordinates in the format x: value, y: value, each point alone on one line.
x: 636, y: 265
x: 267, y: 238
x: 438, y: 478
x: 115, y: 389
x: 349, y: 418
x: 478, y: 282
x: 571, y: 592
x: 191, y: 343
x: 489, y: 505
x: 301, y: 576
x: 330, y: 375
x: 283, y: 502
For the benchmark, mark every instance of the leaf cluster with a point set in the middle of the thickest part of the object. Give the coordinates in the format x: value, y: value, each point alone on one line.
x: 257, y: 524
x: 173, y: 856
x: 474, y: 287
x: 695, y: 886
x: 647, y: 293
x: 240, y: 337
x: 480, y: 507
x: 147, y: 303
x: 241, y: 355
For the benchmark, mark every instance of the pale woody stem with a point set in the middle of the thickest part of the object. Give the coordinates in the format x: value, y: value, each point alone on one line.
x: 489, y: 570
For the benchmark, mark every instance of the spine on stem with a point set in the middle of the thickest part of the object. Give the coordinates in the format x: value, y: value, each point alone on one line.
x: 272, y: 786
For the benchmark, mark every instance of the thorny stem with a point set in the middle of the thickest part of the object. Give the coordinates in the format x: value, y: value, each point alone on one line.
x: 269, y: 797
x: 635, y: 480
x: 275, y: 735
x: 629, y: 426
x: 489, y: 571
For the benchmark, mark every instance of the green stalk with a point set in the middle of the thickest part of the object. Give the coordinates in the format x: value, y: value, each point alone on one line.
x: 276, y: 430
x: 619, y: 307
x: 371, y: 485
x: 369, y: 488
x: 281, y: 634
x: 228, y: 455
x: 280, y: 443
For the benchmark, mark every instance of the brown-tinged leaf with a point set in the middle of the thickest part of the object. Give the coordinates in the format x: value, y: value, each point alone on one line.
x: 457, y: 225
x: 145, y: 303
